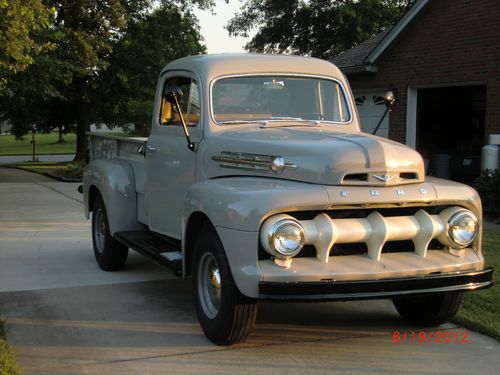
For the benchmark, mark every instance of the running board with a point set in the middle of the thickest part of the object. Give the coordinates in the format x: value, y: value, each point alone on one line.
x: 163, y: 250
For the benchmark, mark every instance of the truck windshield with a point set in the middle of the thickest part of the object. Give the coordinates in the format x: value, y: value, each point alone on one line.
x: 278, y: 98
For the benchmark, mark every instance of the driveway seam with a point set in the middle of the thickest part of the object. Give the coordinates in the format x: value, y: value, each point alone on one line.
x: 60, y: 192
x: 236, y: 348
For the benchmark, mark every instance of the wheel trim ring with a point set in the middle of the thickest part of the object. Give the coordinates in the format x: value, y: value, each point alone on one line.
x: 99, y: 230
x: 209, y: 286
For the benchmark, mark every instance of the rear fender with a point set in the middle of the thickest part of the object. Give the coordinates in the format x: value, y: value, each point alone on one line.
x: 114, y: 180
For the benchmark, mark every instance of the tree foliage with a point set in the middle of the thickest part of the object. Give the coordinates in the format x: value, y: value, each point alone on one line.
x: 319, y: 28
x: 129, y: 87
x: 104, y: 59
x: 18, y: 19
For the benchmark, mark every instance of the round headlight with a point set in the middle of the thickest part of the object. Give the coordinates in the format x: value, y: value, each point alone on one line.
x: 286, y: 238
x: 462, y: 228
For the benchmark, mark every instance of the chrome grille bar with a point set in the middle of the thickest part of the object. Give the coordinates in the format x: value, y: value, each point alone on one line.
x: 375, y: 230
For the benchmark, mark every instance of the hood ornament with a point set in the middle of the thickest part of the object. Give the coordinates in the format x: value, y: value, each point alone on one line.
x: 385, y: 177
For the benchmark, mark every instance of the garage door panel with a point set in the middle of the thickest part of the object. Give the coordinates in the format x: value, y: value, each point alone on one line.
x: 371, y: 108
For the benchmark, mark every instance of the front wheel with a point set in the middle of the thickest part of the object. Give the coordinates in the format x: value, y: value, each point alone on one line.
x: 429, y: 310
x: 110, y: 254
x: 226, y: 316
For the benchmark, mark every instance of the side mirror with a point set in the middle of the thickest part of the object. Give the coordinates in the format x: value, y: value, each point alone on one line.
x: 172, y: 93
x: 390, y: 100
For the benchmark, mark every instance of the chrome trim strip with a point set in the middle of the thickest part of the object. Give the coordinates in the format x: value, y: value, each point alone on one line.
x: 239, y: 160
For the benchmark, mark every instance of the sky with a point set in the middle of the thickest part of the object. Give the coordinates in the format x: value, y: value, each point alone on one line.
x: 216, y: 37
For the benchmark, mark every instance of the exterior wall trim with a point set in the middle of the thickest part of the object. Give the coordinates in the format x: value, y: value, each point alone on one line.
x: 450, y: 84
x: 411, y: 116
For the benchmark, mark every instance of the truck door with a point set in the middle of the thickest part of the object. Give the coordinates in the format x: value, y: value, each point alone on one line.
x: 170, y: 164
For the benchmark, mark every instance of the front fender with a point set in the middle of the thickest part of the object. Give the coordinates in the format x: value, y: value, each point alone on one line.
x: 114, y: 180
x: 242, y: 203
x: 237, y: 206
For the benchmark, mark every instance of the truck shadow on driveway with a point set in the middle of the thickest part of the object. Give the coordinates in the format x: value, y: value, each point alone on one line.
x: 66, y: 330
x: 161, y: 313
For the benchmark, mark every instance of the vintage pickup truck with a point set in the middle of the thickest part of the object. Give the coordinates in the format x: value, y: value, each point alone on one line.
x: 257, y: 182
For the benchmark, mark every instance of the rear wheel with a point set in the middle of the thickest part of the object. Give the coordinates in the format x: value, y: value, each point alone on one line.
x: 226, y: 316
x: 109, y: 253
x: 429, y: 310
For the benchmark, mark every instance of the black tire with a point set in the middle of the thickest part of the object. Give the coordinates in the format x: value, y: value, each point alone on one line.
x: 429, y: 311
x: 110, y: 254
x: 225, y: 315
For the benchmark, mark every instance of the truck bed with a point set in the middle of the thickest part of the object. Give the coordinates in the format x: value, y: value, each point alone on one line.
x: 105, y: 146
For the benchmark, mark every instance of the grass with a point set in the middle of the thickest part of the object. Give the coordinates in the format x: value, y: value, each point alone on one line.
x: 8, y: 365
x: 63, y: 170
x: 481, y: 310
x: 46, y: 144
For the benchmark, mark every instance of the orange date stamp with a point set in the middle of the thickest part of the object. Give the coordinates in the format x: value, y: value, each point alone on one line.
x: 447, y: 337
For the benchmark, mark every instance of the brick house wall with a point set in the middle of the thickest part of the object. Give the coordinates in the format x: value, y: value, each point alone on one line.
x: 450, y: 42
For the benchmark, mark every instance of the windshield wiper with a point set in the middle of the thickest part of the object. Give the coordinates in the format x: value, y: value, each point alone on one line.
x: 243, y: 122
x: 276, y: 122
x: 280, y: 121
x: 285, y: 118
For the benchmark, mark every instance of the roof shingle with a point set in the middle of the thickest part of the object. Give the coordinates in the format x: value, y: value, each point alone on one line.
x: 356, y: 56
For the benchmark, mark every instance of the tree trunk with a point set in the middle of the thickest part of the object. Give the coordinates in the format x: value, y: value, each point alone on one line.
x: 60, y: 138
x: 82, y: 127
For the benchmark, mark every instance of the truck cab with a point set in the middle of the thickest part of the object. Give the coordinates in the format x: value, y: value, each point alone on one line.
x: 257, y: 182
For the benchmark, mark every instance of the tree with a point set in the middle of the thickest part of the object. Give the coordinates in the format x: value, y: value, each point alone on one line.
x: 319, y: 28
x: 128, y: 86
x: 86, y: 32
x: 17, y: 48
x: 85, y: 36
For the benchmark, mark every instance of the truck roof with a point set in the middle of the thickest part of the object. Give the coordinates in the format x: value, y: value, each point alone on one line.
x: 214, y: 65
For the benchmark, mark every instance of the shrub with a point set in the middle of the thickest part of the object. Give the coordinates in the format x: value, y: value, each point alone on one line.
x: 488, y: 186
x: 8, y: 365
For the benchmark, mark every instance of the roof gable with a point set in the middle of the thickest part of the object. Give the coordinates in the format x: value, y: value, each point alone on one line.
x: 364, y: 56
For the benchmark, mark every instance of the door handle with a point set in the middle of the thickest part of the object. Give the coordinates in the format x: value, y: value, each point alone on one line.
x: 151, y: 148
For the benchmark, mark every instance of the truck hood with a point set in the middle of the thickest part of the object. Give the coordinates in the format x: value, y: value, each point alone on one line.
x: 311, y: 154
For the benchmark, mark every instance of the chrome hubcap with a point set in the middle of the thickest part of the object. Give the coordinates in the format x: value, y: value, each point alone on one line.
x: 209, y: 285
x: 100, y: 230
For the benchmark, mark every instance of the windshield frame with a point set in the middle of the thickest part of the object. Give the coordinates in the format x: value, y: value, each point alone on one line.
x: 281, y: 74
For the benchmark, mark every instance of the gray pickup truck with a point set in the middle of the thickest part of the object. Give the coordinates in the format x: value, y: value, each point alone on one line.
x: 257, y: 182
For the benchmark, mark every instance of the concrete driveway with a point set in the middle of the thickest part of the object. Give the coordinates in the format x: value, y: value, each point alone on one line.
x: 65, y: 316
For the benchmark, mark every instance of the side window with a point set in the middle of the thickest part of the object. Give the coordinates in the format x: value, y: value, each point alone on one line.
x: 190, y: 103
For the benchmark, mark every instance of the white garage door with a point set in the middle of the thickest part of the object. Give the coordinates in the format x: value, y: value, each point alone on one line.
x: 371, y: 107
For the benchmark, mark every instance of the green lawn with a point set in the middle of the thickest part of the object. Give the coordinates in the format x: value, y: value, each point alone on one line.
x: 46, y: 144
x: 8, y: 364
x: 66, y: 170
x: 481, y: 310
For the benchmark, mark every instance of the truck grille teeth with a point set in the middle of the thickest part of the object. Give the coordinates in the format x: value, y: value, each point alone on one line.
x: 375, y: 230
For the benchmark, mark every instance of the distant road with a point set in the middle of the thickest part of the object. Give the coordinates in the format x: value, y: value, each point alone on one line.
x: 22, y: 158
